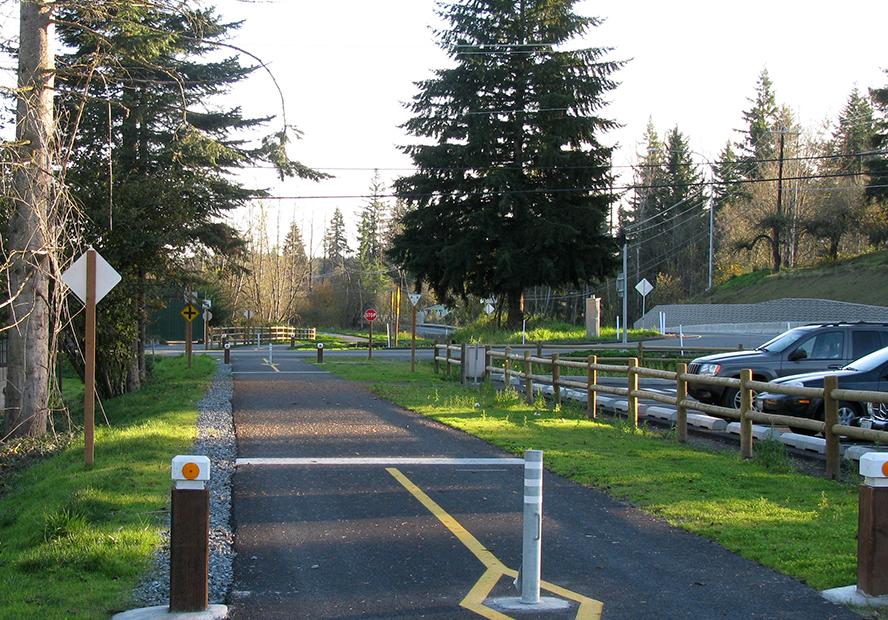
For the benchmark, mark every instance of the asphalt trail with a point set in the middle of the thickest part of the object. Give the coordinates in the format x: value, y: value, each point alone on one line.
x: 346, y: 539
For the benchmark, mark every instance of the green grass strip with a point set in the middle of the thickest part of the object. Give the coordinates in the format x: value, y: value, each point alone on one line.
x: 763, y: 510
x: 75, y: 540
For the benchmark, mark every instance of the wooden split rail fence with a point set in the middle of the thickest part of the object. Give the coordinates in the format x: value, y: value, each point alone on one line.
x: 521, y: 366
x: 248, y: 335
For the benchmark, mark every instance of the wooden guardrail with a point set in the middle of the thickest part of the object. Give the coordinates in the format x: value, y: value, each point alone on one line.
x: 249, y: 335
x: 455, y: 355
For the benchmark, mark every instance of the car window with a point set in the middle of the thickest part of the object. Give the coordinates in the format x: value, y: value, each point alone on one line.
x: 824, y: 346
x: 783, y: 341
x: 864, y: 343
x: 869, y: 362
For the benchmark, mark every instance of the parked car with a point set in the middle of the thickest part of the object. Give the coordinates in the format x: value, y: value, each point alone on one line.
x: 870, y: 372
x: 803, y: 349
x: 875, y: 417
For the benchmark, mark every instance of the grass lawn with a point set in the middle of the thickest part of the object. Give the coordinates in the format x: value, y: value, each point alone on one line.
x: 763, y: 510
x: 75, y: 540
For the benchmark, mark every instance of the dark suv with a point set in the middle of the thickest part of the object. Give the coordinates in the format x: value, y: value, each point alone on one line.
x: 803, y: 349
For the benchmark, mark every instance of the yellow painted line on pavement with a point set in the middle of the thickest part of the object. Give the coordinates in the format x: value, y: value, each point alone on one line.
x: 589, y: 609
x: 269, y: 364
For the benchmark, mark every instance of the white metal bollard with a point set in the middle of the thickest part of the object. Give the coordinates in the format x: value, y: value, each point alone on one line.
x: 529, y: 584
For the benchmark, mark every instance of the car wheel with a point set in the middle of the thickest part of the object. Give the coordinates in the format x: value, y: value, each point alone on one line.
x: 847, y: 412
x: 731, y: 398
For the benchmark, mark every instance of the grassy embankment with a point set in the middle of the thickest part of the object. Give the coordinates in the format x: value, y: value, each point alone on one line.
x: 861, y: 280
x: 763, y: 510
x: 75, y: 540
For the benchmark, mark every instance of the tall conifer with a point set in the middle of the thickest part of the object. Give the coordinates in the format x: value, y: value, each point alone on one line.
x: 512, y: 182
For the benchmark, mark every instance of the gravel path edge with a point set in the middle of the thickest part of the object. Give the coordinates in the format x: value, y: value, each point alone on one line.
x: 216, y: 440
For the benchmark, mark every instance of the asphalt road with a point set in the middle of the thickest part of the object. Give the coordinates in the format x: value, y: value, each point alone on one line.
x: 350, y: 515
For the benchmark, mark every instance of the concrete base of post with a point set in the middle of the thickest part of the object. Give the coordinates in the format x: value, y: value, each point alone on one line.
x: 850, y: 595
x: 162, y: 612
x: 513, y: 603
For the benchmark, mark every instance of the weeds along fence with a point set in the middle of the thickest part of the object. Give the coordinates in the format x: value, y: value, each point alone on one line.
x: 248, y: 335
x: 579, y: 374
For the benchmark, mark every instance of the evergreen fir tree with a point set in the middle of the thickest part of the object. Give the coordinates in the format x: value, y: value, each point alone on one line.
x: 151, y: 154
x: 336, y: 248
x: 512, y: 183
x: 877, y: 166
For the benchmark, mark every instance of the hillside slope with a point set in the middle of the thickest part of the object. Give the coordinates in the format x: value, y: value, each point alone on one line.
x: 862, y: 280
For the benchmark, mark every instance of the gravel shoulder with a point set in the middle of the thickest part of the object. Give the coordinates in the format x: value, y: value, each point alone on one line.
x: 216, y: 440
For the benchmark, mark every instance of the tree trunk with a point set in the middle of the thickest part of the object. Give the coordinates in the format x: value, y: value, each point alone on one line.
x: 27, y: 387
x: 515, y: 300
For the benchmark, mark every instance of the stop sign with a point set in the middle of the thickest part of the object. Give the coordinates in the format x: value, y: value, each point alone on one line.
x: 370, y: 315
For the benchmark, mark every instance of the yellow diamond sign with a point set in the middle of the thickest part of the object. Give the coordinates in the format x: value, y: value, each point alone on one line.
x: 190, y: 313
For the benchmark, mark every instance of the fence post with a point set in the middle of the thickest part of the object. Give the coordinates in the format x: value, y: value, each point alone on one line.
x: 681, y: 395
x: 830, y: 419
x: 447, y: 360
x: 591, y: 393
x: 632, y: 376
x: 539, y: 348
x: 488, y: 362
x: 556, y: 377
x: 463, y: 366
x: 507, y: 368
x: 641, y: 353
x: 435, y: 358
x: 528, y: 382
x: 745, y: 407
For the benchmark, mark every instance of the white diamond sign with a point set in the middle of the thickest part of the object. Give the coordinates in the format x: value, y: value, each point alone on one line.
x: 644, y: 287
x: 106, y: 277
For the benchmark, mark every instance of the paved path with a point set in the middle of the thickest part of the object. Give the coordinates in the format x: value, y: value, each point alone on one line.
x: 347, y: 506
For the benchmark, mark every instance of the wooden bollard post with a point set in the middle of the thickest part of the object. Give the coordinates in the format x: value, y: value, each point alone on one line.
x: 872, y: 525
x: 190, y: 534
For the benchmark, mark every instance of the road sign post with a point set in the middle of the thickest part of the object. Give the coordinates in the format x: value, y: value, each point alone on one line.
x: 414, y: 299
x: 644, y: 287
x: 207, y: 315
x: 190, y: 313
x: 370, y: 315
x: 89, y: 403
x: 90, y: 278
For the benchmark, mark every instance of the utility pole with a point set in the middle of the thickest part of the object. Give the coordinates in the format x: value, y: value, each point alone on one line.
x: 779, y: 223
x: 623, y: 244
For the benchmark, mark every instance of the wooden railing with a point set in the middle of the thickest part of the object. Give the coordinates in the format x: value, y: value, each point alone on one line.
x: 249, y: 335
x: 496, y: 362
